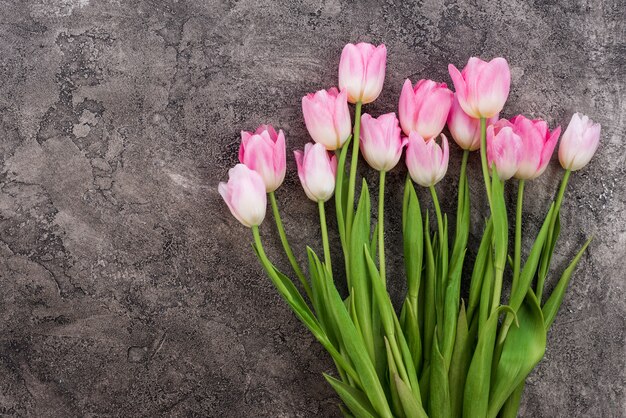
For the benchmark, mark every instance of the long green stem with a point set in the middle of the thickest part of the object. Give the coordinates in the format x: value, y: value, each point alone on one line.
x: 517, y: 260
x: 353, y: 165
x: 320, y: 205
x: 483, y: 158
x: 381, y: 226
x: 433, y: 193
x: 461, y: 193
x: 287, y: 247
x: 557, y: 207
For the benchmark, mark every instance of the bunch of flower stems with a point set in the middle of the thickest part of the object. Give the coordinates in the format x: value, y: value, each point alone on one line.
x: 438, y: 355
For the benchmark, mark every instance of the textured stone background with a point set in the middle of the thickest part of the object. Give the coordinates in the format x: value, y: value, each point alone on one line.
x: 127, y: 289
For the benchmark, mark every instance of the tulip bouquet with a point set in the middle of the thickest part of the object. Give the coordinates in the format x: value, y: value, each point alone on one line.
x: 436, y: 355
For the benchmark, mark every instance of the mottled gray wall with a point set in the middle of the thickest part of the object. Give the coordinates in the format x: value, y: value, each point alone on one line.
x: 127, y: 289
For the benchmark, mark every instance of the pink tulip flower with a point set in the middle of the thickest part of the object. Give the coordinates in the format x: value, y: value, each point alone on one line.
x: 426, y: 161
x: 317, y: 169
x: 245, y: 195
x: 579, y: 143
x: 537, y: 146
x: 482, y: 87
x: 362, y: 71
x: 327, y: 117
x: 465, y: 129
x: 504, y: 149
x: 264, y: 152
x: 381, y: 143
x: 424, y: 109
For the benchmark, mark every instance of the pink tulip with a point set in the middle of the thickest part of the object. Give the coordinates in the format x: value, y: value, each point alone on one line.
x: 316, y: 169
x: 465, y: 129
x: 504, y: 149
x: 426, y: 161
x: 264, y: 152
x: 579, y: 143
x: 381, y: 143
x: 245, y: 195
x: 327, y: 117
x: 424, y: 109
x: 482, y: 87
x: 362, y: 71
x: 537, y: 146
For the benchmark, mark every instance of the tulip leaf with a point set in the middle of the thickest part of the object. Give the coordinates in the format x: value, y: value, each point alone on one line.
x: 393, y: 388
x: 439, y: 400
x: 357, y: 352
x: 412, y: 409
x: 553, y: 303
x: 548, y: 249
x: 511, y: 406
x: 412, y: 332
x: 412, y: 234
x: 523, y: 348
x: 354, y: 399
x: 478, y: 273
x: 429, y: 295
x: 340, y: 192
x: 358, y: 267
x: 478, y: 382
x: 461, y: 357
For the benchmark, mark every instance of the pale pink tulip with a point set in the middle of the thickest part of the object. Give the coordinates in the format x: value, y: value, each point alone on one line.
x: 381, y: 143
x: 327, y: 117
x: 482, y: 87
x: 504, y: 149
x: 362, y: 71
x: 537, y: 146
x: 424, y: 109
x: 245, y: 195
x: 317, y: 169
x: 426, y: 160
x: 465, y: 129
x: 580, y: 141
x: 264, y: 152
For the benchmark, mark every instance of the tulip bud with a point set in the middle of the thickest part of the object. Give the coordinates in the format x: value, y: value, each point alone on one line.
x: 327, y: 117
x: 245, y: 195
x: 482, y: 87
x: 504, y: 149
x: 579, y: 143
x: 381, y: 143
x: 316, y: 169
x: 424, y: 109
x: 426, y: 161
x: 465, y: 129
x: 264, y: 152
x: 362, y: 71
x: 537, y: 146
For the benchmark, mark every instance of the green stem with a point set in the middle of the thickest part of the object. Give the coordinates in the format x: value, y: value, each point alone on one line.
x: 433, y: 192
x: 320, y: 205
x: 287, y: 247
x: 483, y: 158
x: 462, y: 180
x: 381, y: 226
x: 557, y: 207
x: 353, y: 165
x: 517, y: 260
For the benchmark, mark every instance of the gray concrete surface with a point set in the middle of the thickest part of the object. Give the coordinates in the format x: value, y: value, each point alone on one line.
x: 127, y: 289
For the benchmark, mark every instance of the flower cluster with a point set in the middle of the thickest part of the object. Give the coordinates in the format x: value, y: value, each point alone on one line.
x: 440, y: 356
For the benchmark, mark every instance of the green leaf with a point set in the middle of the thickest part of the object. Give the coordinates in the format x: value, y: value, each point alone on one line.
x: 486, y: 295
x: 412, y: 408
x: 429, y: 295
x: 451, y: 307
x: 461, y: 357
x: 412, y: 331
x: 357, y: 352
x: 439, y: 400
x: 358, y: 268
x: 553, y: 303
x: 393, y: 388
x: 413, y: 238
x: 500, y: 235
x: 511, y: 406
x: 354, y: 399
x: 478, y: 382
x: 548, y: 249
x: 523, y: 349
x: 476, y: 283
x: 340, y: 195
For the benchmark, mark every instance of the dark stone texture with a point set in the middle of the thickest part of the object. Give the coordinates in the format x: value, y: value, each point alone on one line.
x: 127, y: 289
